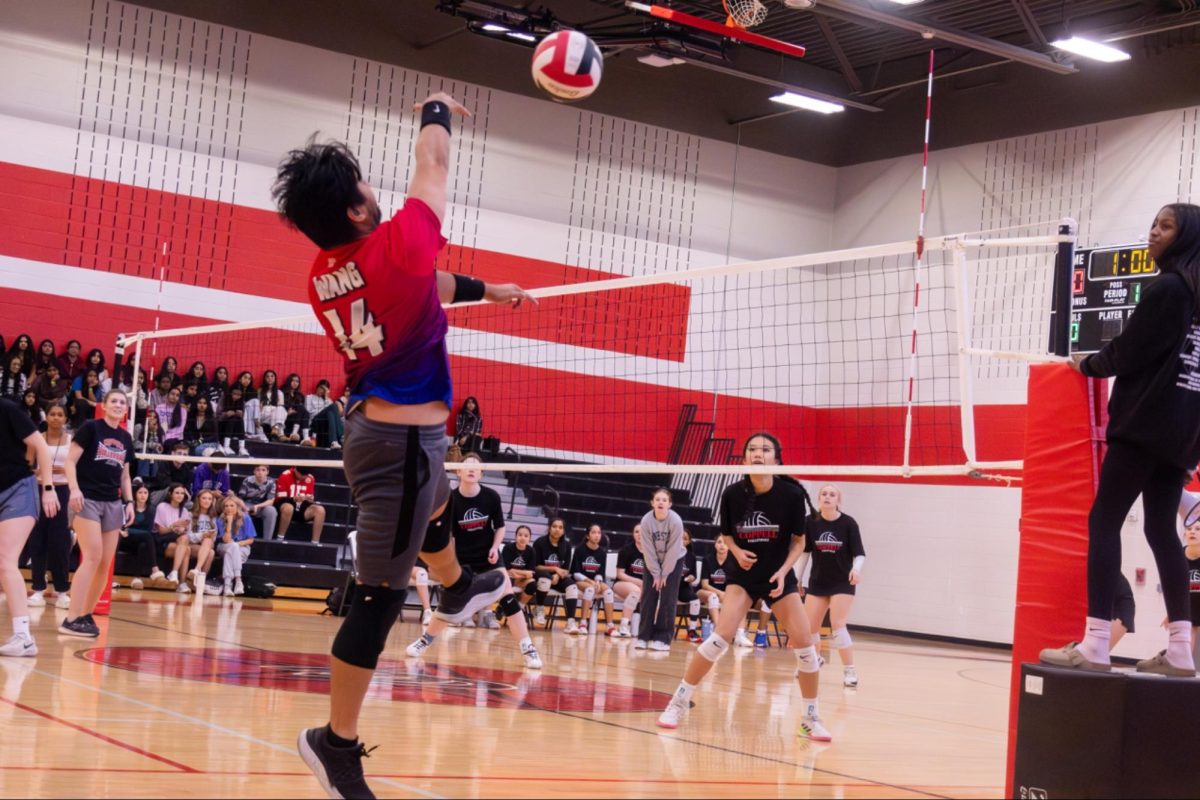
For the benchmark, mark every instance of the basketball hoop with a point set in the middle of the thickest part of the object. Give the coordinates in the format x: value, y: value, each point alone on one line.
x: 744, y: 13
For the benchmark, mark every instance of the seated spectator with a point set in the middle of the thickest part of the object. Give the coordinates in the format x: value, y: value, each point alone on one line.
x: 326, y: 417
x: 246, y: 381
x: 200, y: 430
x: 468, y: 426
x: 202, y: 538
x: 235, y: 534
x: 631, y: 570
x: 688, y: 583
x: 126, y: 383
x: 87, y: 395
x: 588, y: 565
x: 218, y: 389
x: 271, y: 411
x: 197, y: 375
x: 296, y: 422
x: 213, y: 476
x: 553, y: 558
x: 95, y: 360
x: 22, y: 348
x: 172, y: 472
x: 172, y: 524
x: 713, y: 578
x: 51, y: 389
x: 258, y: 493
x: 44, y: 357
x: 12, y: 379
x: 139, y: 538
x: 29, y: 402
x: 189, y: 393
x: 147, y: 438
x: 294, y: 490
x: 70, y: 361
x: 520, y: 561
x: 172, y: 416
x: 162, y: 387
x: 170, y: 368
x: 231, y: 426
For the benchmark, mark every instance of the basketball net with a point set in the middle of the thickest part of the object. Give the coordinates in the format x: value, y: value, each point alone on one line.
x: 744, y: 13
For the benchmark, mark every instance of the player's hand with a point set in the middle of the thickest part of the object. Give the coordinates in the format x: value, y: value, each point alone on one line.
x: 1076, y: 360
x: 76, y: 501
x: 777, y: 579
x: 49, y: 503
x: 493, y: 555
x: 510, y: 293
x: 129, y: 514
x: 854, y: 577
x: 659, y: 583
x: 745, y: 559
x: 441, y: 97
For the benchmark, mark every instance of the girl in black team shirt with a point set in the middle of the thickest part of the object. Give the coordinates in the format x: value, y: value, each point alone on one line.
x: 588, y: 566
x: 713, y: 578
x: 1153, y: 442
x: 519, y: 559
x: 553, y: 574
x: 631, y: 569
x: 689, y: 582
x: 832, y: 539
x: 762, y: 519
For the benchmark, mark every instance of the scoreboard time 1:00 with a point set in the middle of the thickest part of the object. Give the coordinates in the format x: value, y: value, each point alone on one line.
x: 1119, y: 263
x: 1106, y: 286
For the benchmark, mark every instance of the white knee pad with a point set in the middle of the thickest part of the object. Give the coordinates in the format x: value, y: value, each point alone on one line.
x: 543, y: 584
x: 714, y: 603
x: 571, y: 592
x: 632, y: 599
x: 694, y: 607
x: 762, y: 604
x: 840, y: 639
x: 589, y: 594
x: 608, y: 598
x: 806, y: 659
x: 712, y: 648
x: 421, y: 576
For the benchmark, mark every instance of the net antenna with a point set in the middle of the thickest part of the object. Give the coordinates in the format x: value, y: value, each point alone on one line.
x: 744, y: 13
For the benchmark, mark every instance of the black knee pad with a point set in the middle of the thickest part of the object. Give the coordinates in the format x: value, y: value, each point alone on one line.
x: 437, y: 535
x: 364, y: 632
x: 508, y: 606
x: 529, y: 589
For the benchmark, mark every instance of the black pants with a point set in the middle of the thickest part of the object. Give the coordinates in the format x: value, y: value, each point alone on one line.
x: 50, y: 545
x: 658, y: 608
x: 231, y: 428
x: 142, y: 545
x: 1126, y: 473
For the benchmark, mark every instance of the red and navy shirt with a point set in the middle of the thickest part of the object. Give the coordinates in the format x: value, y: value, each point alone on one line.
x: 377, y: 300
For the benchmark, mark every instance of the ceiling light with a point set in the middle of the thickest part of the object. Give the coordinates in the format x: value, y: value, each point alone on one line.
x: 524, y: 37
x: 655, y: 60
x: 808, y: 103
x: 1089, y: 49
x: 492, y: 27
x: 907, y: 2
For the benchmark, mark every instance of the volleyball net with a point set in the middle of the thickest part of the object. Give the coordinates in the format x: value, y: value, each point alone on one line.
x: 865, y: 361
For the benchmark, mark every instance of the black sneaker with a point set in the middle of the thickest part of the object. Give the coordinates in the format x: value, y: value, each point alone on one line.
x: 80, y: 626
x: 338, y: 769
x: 484, y: 590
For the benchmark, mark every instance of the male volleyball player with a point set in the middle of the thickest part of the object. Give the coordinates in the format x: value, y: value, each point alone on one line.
x: 374, y: 289
x: 762, y: 520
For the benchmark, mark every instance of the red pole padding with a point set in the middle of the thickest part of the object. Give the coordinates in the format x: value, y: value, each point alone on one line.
x: 1057, y: 491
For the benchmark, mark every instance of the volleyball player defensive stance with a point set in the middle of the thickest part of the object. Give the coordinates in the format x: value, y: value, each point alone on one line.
x: 374, y: 289
x: 762, y: 520
x: 475, y: 516
x: 833, y: 540
x: 1153, y: 442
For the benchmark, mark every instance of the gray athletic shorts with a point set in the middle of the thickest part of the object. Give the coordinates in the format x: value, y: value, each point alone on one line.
x: 109, y: 513
x: 20, y: 500
x: 397, y: 478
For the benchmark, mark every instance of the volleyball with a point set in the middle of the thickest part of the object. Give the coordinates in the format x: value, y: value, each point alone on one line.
x: 567, y: 66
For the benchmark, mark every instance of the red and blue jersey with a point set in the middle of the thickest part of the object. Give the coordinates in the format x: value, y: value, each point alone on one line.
x: 377, y: 300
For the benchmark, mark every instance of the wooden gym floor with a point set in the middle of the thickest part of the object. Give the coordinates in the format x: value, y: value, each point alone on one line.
x: 186, y: 698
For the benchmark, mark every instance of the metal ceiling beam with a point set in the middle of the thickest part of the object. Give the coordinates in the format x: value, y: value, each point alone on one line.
x: 1030, y: 22
x: 952, y: 35
x: 840, y: 54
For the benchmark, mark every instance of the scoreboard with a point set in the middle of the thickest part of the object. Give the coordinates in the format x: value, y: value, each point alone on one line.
x: 1106, y: 285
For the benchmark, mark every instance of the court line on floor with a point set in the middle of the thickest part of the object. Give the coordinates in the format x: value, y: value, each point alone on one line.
x: 96, y: 734
x: 205, y: 723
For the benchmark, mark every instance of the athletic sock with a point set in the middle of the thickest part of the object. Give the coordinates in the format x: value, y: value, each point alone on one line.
x: 1094, y: 646
x: 684, y: 692
x: 337, y: 741
x: 1179, y: 644
x: 525, y: 644
x: 21, y: 627
x: 428, y: 637
x: 810, y: 707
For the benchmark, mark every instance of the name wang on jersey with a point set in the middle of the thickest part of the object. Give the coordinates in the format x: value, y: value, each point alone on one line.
x: 757, y: 528
x: 341, y: 281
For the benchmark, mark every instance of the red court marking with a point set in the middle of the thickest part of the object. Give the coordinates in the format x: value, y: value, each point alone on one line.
x: 102, y: 737
x: 406, y: 681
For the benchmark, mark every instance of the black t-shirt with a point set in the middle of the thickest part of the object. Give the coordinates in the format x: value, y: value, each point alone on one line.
x: 630, y: 559
x: 763, y: 524
x: 476, y: 520
x: 15, y: 427
x: 106, y: 451
x: 550, y: 556
x: 714, y: 572
x: 1194, y: 587
x: 833, y: 545
x: 590, y: 563
x: 689, y: 567
x: 519, y: 559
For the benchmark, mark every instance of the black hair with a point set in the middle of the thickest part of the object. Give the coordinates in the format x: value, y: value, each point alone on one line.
x: 553, y: 520
x: 322, y: 382
x: 749, y: 487
x: 237, y: 381
x: 314, y: 186
x: 25, y: 355
x: 663, y: 489
x: 1183, y: 255
x: 471, y: 399
x: 176, y: 412
x: 95, y: 351
x: 289, y: 394
x: 526, y: 527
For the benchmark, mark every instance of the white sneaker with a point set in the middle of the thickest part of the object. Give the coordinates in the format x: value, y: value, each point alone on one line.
x: 62, y: 601
x: 662, y: 647
x: 572, y: 626
x: 582, y: 629
x: 227, y: 589
x: 157, y: 575
x: 417, y: 648
x: 488, y: 620
x: 811, y: 728
x: 242, y: 451
x: 239, y: 588
x: 191, y: 574
x: 623, y: 632
x: 37, y: 599
x: 532, y: 659
x: 427, y: 616
x: 19, y: 645
x: 741, y: 640
x: 673, y: 714
x: 850, y: 678
x: 173, y: 577
x: 137, y: 584
x: 640, y: 644
x: 183, y: 588
x: 539, y: 617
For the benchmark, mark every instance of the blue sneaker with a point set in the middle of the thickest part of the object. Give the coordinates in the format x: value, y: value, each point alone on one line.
x: 760, y: 639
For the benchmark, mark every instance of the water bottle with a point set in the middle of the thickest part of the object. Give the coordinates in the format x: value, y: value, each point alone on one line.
x: 706, y: 628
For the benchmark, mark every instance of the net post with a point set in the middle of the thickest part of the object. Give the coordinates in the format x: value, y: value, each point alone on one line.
x: 966, y: 384
x: 137, y: 382
x: 1064, y: 264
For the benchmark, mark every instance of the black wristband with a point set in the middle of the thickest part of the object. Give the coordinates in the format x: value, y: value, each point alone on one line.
x: 467, y: 289
x: 436, y: 112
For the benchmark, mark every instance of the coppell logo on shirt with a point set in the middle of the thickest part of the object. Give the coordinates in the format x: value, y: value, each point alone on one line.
x: 590, y: 564
x: 757, y: 527
x: 828, y: 543
x: 473, y: 520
